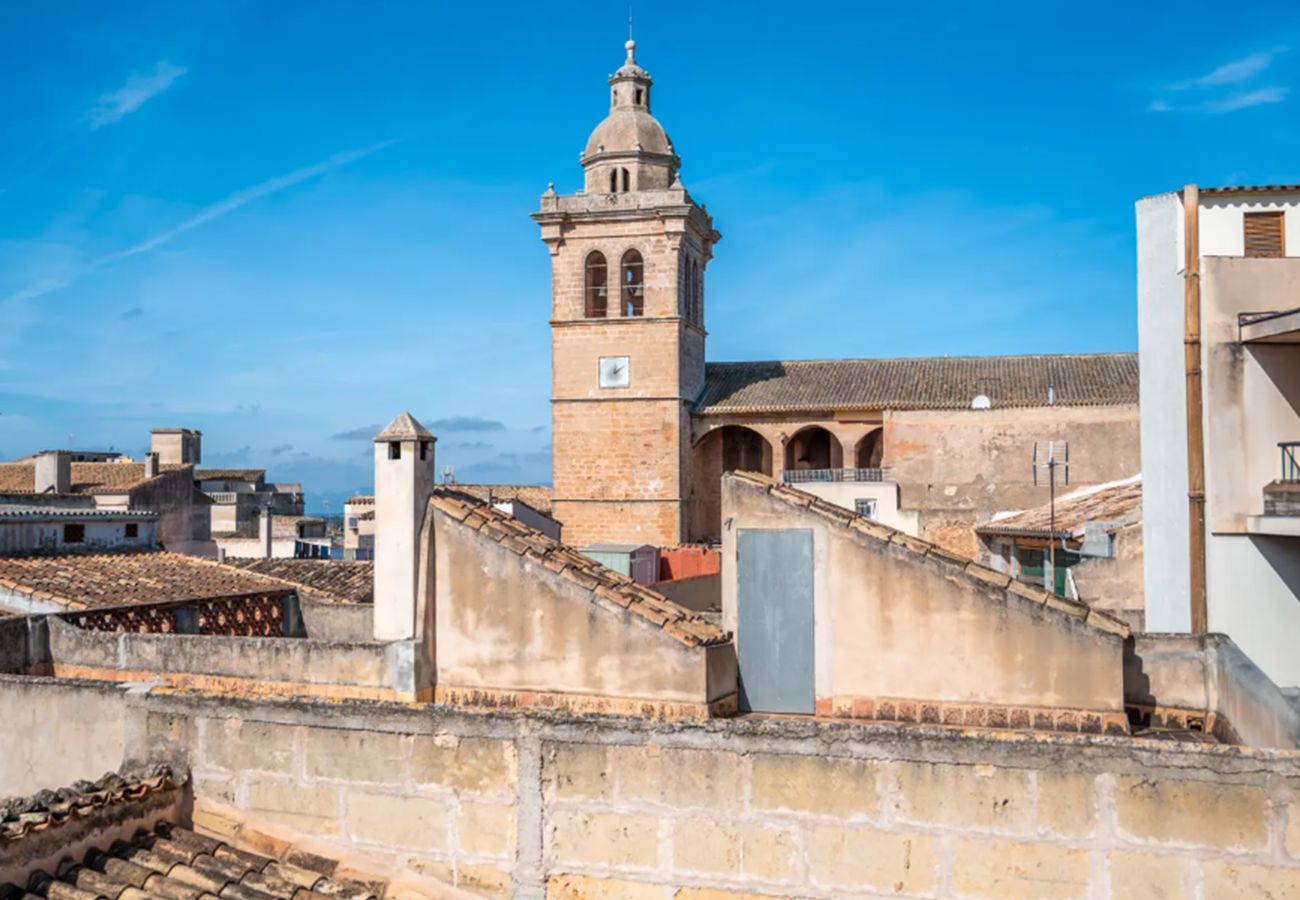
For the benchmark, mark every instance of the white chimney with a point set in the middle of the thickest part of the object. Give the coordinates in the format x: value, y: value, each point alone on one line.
x: 150, y: 465
x: 264, y: 532
x: 404, y: 481
x: 53, y: 473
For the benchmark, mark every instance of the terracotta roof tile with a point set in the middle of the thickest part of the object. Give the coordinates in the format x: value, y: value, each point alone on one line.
x: 360, y: 500
x: 86, y: 478
x: 605, y: 584
x: 169, y: 860
x: 340, y: 581
x: 21, y: 816
x: 921, y: 549
x: 923, y: 383
x: 1117, y: 502
x: 87, y: 581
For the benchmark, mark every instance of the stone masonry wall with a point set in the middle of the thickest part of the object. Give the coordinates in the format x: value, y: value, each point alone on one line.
x: 556, y: 806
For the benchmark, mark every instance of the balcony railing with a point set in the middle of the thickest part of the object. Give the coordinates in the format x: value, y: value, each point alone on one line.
x: 1290, y: 465
x: 796, y: 476
x: 222, y: 496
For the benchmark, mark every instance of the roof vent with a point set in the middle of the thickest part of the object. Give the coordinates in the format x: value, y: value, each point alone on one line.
x: 981, y: 401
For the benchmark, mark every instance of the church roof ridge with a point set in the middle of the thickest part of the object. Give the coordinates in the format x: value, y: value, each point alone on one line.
x: 943, y: 382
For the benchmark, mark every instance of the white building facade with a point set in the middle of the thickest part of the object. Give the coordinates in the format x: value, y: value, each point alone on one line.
x: 1219, y: 347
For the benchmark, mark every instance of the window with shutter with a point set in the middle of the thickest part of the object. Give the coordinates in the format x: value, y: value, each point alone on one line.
x: 1265, y: 234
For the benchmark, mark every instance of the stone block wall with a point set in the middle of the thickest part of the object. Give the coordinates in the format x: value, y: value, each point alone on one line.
x: 437, y: 805
x: 573, y: 807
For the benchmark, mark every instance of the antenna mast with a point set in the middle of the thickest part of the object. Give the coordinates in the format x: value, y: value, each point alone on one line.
x: 1050, y: 456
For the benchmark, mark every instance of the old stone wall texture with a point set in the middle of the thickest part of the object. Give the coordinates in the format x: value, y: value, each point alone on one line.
x: 1115, y: 584
x: 570, y: 807
x: 959, y: 467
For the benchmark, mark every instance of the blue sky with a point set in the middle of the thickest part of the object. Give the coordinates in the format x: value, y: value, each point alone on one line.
x: 283, y: 223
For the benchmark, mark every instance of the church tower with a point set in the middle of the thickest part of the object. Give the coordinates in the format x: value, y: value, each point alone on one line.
x: 628, y: 254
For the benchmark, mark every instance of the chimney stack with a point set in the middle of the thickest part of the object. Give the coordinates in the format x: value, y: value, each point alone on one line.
x: 404, y: 481
x: 150, y: 465
x: 53, y: 473
x: 177, y: 446
x: 264, y: 532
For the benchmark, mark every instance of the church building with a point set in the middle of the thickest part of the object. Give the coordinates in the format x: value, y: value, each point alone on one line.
x: 644, y: 427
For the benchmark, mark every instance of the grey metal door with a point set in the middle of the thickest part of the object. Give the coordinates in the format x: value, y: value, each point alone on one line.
x: 775, y: 611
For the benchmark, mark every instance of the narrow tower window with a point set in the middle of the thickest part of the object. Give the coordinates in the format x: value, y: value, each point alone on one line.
x: 627, y: 180
x: 613, y: 180
x: 697, y: 294
x: 1264, y: 234
x: 633, y: 284
x: 596, y: 296
x: 638, y: 96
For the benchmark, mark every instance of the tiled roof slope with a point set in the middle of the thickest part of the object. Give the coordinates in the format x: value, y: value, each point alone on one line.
x: 22, y: 816
x: 340, y: 581
x: 535, y: 495
x: 606, y: 585
x: 921, y: 550
x: 87, y: 478
x: 229, y: 474
x: 538, y: 496
x: 1117, y: 502
x: 1104, y: 379
x: 166, y: 860
x: 89, y: 581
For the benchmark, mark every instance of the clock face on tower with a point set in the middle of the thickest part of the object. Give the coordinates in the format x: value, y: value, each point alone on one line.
x: 614, y: 372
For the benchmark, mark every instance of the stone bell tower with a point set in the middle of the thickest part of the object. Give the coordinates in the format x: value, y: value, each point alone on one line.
x: 628, y: 254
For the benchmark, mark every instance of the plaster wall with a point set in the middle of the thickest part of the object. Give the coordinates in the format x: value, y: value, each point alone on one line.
x: 1222, y: 230
x: 253, y: 548
x: 184, y: 516
x: 402, y: 489
x: 1210, y: 673
x: 21, y: 536
x: 505, y: 622
x: 956, y: 468
x: 879, y: 608
x: 1252, y: 401
x: 885, y: 493
x: 57, y: 732
x: 1115, y: 583
x: 1167, y: 586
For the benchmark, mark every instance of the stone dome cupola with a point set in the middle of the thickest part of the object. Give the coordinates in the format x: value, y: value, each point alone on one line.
x: 629, y: 150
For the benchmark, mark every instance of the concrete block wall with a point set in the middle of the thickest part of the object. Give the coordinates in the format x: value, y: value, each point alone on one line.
x: 570, y: 807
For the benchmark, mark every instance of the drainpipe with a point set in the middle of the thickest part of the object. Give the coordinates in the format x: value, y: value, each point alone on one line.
x: 1195, y: 403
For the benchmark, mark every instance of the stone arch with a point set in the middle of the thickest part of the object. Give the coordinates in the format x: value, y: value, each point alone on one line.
x: 870, y: 452
x: 813, y: 447
x: 726, y: 448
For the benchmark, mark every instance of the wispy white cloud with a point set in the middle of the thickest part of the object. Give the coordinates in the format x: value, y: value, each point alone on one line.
x: 243, y: 198
x: 138, y: 90
x: 1235, y: 72
x: 1224, y: 89
x: 209, y: 214
x: 1230, y: 103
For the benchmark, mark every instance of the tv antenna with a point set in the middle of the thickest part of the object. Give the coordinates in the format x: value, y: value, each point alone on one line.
x: 1051, y: 457
x: 448, y: 474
